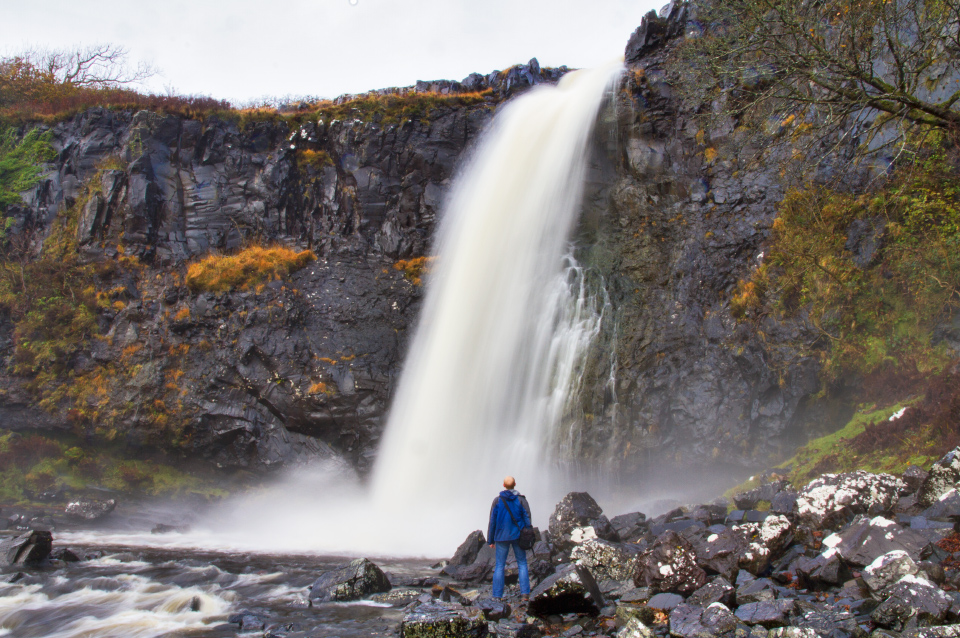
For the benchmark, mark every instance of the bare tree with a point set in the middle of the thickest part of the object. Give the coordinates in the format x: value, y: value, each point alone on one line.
x: 94, y: 66
x: 855, y: 65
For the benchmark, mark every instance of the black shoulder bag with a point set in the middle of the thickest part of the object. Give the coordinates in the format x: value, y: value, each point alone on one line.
x: 527, y: 536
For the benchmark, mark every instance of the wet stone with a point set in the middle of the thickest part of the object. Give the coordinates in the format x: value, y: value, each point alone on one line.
x: 635, y: 628
x: 769, y: 614
x: 911, y: 597
x: 358, y: 579
x: 670, y: 566
x: 570, y: 590
x: 829, y: 500
x: 504, y: 629
x: 664, y: 601
x: 493, y: 609
x: 442, y: 620
x: 26, y: 549
x: 719, y: 590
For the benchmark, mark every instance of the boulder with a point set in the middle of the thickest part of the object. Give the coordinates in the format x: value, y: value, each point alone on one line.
x: 944, y: 475
x: 945, y: 508
x: 913, y: 478
x: 570, y: 590
x: 718, y: 552
x: 26, y: 549
x: 768, y: 614
x: 912, y: 597
x: 764, y: 541
x: 756, y: 591
x: 578, y: 511
x: 606, y: 560
x: 442, y: 620
x: 493, y: 609
x: 249, y: 621
x: 865, y: 541
x: 823, y: 571
x: 468, y: 550
x: 784, y: 502
x: 888, y: 569
x: 664, y: 601
x: 358, y: 579
x: 830, y: 623
x: 831, y: 499
x: 750, y: 499
x: 690, y: 621
x: 504, y: 629
x: 630, y: 526
x: 635, y: 628
x: 719, y: 590
x: 670, y: 566
x: 89, y: 509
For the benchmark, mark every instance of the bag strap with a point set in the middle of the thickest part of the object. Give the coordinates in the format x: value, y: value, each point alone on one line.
x: 512, y: 517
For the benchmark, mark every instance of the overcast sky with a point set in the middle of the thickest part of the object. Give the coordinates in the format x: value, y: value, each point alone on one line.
x: 244, y: 49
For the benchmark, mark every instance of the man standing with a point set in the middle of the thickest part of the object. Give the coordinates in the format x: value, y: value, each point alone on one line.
x: 509, y: 514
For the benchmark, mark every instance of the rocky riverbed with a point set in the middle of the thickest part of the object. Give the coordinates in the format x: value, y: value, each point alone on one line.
x: 847, y: 555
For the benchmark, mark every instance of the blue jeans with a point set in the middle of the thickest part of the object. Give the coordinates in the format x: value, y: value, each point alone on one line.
x: 503, y: 550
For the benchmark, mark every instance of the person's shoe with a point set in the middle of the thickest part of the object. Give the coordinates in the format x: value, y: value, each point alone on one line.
x: 525, y: 598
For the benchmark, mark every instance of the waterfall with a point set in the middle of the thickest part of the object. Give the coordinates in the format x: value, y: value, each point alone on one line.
x: 507, y: 318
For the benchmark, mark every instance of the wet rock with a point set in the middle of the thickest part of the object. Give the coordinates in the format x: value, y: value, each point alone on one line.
x: 493, y: 609
x: 763, y: 542
x: 943, y: 476
x: 830, y: 623
x: 865, y: 239
x: 26, y: 549
x: 784, y: 502
x: 606, y: 560
x: 399, y: 597
x: 945, y: 508
x: 570, y: 590
x: 66, y: 555
x: 670, y: 566
x: 719, y: 590
x: 571, y: 518
x: 865, y: 541
x: 755, y: 591
x: 249, y: 621
x: 635, y: 628
x: 90, y: 509
x: 468, y: 550
x: 655, y: 31
x: 664, y: 601
x: 751, y: 498
x: 442, y: 620
x: 505, y: 629
x: 769, y: 614
x: 356, y: 580
x: 888, y: 569
x: 689, y: 621
x: 831, y: 499
x: 630, y: 527
x: 913, y: 478
x: 824, y: 571
x: 912, y: 597
x: 718, y: 552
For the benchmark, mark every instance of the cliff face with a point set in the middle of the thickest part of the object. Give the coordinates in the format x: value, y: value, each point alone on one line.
x: 305, y: 367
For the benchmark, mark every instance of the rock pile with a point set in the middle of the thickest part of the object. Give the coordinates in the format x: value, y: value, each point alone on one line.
x: 846, y: 556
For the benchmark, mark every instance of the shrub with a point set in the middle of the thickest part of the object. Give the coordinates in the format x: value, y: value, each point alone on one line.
x: 20, y: 162
x: 414, y: 269
x: 249, y: 267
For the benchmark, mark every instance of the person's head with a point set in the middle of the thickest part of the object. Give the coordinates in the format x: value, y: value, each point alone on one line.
x: 509, y: 483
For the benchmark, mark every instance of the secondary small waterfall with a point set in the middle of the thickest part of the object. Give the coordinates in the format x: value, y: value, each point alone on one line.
x: 507, y: 316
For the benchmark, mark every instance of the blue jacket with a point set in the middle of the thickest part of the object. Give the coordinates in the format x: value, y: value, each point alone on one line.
x: 501, y: 527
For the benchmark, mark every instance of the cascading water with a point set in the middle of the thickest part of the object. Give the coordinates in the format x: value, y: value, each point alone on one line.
x: 505, y: 325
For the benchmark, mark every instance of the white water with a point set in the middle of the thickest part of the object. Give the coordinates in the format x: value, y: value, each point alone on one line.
x: 494, y: 370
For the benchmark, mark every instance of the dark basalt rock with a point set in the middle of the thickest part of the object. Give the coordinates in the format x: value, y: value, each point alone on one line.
x: 358, y: 579
x: 865, y: 541
x: 654, y: 31
x: 90, y: 509
x: 629, y: 527
x: 670, y: 566
x: 769, y: 614
x: 664, y: 601
x: 833, y: 498
x: 493, y: 609
x: 26, y: 549
x: 830, y: 623
x: 944, y: 475
x: 249, y: 621
x: 888, y: 569
x: 504, y: 629
x: 570, y: 590
x: 756, y: 591
x: 719, y: 590
x: 577, y: 509
x: 606, y: 560
x: 468, y: 550
x: 751, y: 498
x: 689, y: 621
x: 912, y: 597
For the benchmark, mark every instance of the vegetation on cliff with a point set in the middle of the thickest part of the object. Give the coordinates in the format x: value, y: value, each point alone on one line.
x: 248, y: 268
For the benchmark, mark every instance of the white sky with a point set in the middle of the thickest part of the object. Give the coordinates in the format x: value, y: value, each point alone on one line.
x: 245, y: 49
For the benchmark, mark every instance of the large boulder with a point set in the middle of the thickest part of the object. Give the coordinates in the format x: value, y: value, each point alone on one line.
x: 571, y: 519
x: 865, y: 541
x: 763, y: 542
x: 570, y: 590
x: 468, y: 550
x: 944, y: 475
x: 718, y: 552
x: 89, y: 509
x: 630, y: 527
x: 831, y: 499
x: 358, y: 579
x: 606, y: 560
x: 912, y: 597
x: 26, y: 549
x: 670, y: 566
x: 689, y: 621
x: 888, y: 569
x: 443, y: 620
